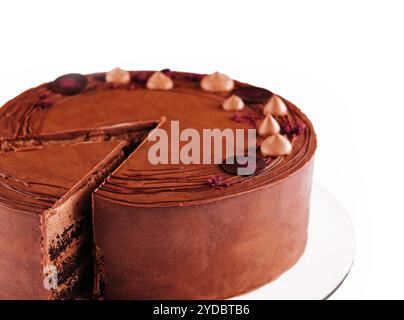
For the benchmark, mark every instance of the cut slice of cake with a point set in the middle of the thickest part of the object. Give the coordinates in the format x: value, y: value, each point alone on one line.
x: 45, y: 208
x: 50, y: 197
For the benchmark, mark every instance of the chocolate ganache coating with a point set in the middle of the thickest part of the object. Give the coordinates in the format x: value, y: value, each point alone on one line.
x: 172, y: 231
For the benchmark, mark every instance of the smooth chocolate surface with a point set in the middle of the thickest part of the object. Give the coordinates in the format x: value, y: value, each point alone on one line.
x: 211, y: 251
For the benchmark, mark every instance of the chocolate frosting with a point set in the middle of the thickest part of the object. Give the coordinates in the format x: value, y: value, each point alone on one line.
x: 33, y: 180
x: 139, y: 199
x: 138, y: 182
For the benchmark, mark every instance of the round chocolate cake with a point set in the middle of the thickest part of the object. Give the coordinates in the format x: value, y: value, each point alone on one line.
x: 89, y: 209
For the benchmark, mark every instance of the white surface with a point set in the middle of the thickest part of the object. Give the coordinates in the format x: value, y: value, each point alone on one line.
x: 327, y: 259
x: 340, y: 61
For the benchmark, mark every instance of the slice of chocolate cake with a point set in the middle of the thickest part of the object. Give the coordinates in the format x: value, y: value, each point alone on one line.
x: 46, y: 183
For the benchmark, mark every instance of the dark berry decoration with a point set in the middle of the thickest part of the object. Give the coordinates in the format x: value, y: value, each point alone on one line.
x: 168, y: 72
x: 292, y: 130
x: 252, y: 94
x: 69, y: 84
x: 250, y: 118
x: 217, y: 181
x: 44, y: 104
x: 196, y: 77
x: 287, y: 128
x: 47, y: 104
x: 237, y: 117
x: 299, y: 128
x: 232, y: 168
x: 141, y: 77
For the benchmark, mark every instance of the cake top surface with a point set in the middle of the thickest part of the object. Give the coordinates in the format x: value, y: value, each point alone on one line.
x: 286, y: 140
x: 33, y: 180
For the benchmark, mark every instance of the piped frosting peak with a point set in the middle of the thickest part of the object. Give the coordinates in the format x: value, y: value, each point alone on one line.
x: 268, y: 126
x: 233, y: 103
x: 159, y: 81
x: 217, y: 82
x: 117, y: 76
x: 276, y: 145
x: 276, y: 107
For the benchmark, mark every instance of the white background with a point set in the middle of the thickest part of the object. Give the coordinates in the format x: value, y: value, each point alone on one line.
x: 340, y: 61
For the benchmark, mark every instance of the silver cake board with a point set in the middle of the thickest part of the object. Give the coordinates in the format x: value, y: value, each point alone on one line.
x: 327, y: 260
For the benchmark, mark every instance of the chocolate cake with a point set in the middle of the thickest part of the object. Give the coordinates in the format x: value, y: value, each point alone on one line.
x: 81, y: 197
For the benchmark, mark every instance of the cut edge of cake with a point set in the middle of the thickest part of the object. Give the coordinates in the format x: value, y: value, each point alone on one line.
x: 67, y: 230
x: 67, y: 244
